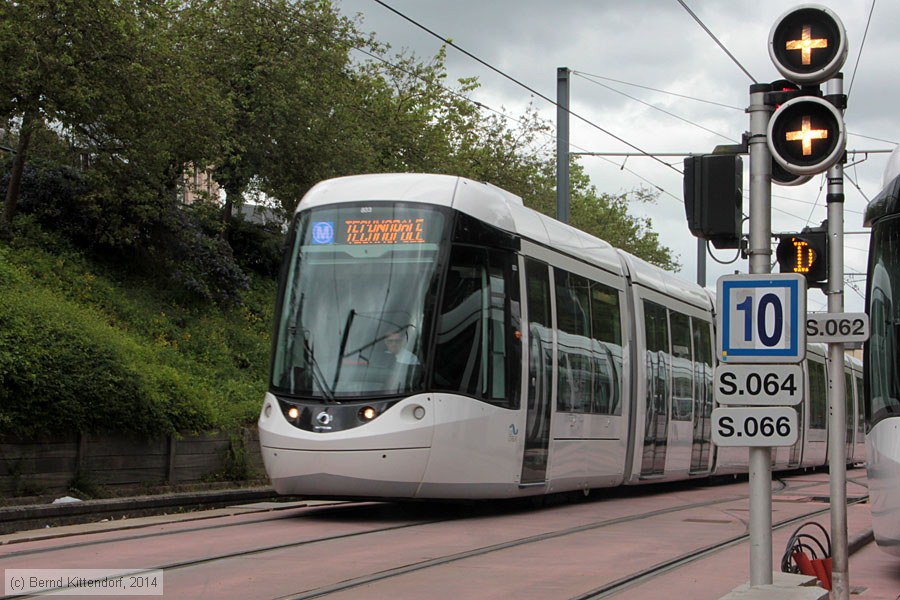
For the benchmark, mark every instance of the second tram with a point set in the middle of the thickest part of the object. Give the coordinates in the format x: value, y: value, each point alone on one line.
x: 882, y: 361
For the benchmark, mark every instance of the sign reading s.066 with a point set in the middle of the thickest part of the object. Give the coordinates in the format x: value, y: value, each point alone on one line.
x: 761, y: 318
x: 762, y: 426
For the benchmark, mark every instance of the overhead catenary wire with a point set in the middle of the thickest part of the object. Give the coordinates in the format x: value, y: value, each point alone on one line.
x: 483, y: 106
x: 716, y: 40
x: 640, y: 151
x: 662, y: 110
x: 652, y: 89
x: 861, y: 46
x: 519, y: 83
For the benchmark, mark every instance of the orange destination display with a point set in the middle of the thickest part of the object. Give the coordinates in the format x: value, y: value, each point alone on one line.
x: 385, y: 231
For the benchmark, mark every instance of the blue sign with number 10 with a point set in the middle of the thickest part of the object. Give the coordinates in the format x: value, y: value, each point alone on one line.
x: 761, y: 318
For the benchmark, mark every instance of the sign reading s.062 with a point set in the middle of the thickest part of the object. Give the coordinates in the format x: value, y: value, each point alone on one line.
x: 761, y: 318
x: 837, y: 327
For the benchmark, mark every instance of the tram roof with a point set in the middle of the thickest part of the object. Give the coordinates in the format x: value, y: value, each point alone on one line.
x: 483, y: 201
x: 505, y: 211
x: 887, y: 202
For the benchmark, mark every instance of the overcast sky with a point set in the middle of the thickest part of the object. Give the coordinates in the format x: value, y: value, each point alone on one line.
x: 657, y: 44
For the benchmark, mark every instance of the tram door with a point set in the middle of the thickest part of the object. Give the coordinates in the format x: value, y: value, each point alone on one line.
x: 656, y: 423
x: 681, y: 430
x: 540, y: 373
x: 701, y: 447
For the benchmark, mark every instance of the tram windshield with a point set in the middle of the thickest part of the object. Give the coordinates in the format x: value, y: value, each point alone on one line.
x: 358, y: 294
x: 884, y: 314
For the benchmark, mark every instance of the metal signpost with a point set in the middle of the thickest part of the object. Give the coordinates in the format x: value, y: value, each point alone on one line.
x: 762, y: 319
x: 760, y: 341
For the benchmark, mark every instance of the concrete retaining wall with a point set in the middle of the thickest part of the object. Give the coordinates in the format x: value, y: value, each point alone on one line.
x: 51, y: 465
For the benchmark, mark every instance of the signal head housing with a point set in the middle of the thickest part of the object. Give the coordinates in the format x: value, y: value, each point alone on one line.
x: 808, y: 44
x: 806, y: 135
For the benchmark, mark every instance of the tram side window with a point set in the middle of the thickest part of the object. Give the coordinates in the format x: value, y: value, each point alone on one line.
x: 703, y: 393
x: 883, y: 349
x: 575, y: 366
x: 606, y: 332
x: 656, y: 327
x: 860, y: 413
x: 475, y: 354
x: 682, y: 359
x: 817, y: 395
x: 849, y: 421
x: 657, y: 340
x: 540, y: 327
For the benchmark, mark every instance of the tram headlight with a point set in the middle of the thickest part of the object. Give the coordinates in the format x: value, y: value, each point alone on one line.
x: 293, y: 412
x: 419, y: 412
x: 367, y: 413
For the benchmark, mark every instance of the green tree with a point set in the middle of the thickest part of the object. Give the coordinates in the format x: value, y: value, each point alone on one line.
x: 111, y: 77
x: 278, y: 64
x: 607, y: 217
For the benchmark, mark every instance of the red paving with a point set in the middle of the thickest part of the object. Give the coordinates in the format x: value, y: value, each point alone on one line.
x: 557, y: 567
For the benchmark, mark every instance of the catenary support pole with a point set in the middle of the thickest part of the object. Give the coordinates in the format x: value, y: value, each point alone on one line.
x: 562, y: 144
x: 760, y: 262
x: 837, y: 392
x: 701, y: 262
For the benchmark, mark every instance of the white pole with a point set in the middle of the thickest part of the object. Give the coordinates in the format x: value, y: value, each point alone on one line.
x: 837, y: 393
x: 760, y: 262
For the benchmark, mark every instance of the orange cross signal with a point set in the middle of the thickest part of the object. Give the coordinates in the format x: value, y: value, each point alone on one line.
x: 805, y: 45
x: 806, y: 135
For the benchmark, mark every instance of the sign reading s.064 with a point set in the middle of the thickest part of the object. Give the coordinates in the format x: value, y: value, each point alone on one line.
x: 758, y: 385
x: 761, y: 318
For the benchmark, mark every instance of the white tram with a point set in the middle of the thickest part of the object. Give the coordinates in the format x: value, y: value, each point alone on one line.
x: 436, y: 339
x: 882, y: 360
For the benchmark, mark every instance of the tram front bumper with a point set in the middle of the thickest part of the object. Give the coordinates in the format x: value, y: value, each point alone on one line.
x: 357, y: 473
x: 385, y: 458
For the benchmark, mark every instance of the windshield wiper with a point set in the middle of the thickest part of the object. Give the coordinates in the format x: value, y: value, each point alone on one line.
x: 341, y: 356
x: 316, y: 371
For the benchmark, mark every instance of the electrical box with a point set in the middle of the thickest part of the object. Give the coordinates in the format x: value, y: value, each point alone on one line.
x: 713, y: 198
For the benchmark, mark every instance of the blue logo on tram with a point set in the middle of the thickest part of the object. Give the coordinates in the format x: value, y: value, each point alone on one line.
x: 323, y: 232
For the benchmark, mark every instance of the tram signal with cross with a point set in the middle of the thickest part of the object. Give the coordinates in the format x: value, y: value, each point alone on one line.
x: 808, y: 46
x: 805, y: 45
x: 806, y: 135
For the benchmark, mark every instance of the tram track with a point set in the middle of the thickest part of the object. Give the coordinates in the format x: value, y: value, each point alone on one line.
x: 406, y: 569
x: 623, y: 584
x: 602, y: 592
x: 331, y: 509
x: 399, y: 571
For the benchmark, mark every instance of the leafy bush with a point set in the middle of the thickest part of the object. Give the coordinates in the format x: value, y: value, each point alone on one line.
x: 200, y: 263
x: 257, y: 247
x: 50, y: 192
x: 63, y: 369
x: 84, y: 347
x: 122, y: 218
